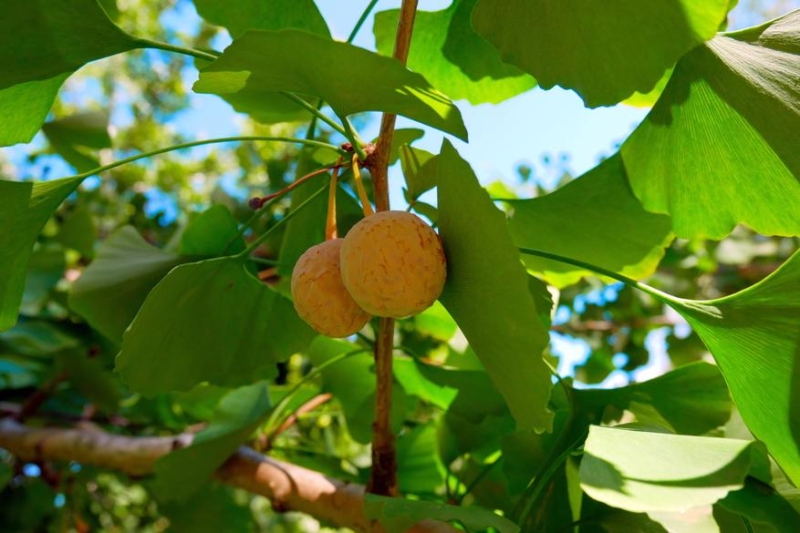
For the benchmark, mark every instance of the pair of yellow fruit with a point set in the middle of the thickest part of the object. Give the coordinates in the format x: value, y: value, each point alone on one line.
x: 390, y: 264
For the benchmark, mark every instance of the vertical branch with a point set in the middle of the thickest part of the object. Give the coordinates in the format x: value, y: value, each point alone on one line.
x: 383, y: 477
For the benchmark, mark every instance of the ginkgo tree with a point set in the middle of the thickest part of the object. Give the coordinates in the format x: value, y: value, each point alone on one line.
x: 165, y: 364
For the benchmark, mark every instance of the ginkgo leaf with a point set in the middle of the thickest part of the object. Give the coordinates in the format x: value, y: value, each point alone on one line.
x: 754, y: 336
x: 398, y: 515
x: 352, y: 383
x: 715, y: 150
x: 239, y: 16
x: 489, y: 300
x: 114, y: 286
x: 209, y: 321
x: 182, y: 472
x: 77, y: 137
x: 456, y: 60
x: 59, y: 38
x: 640, y: 471
x: 605, y: 51
x: 259, y: 65
x: 702, y: 406
x: 24, y: 107
x: 25, y: 207
x: 595, y: 218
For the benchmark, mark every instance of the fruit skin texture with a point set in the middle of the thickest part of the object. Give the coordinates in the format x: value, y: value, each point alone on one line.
x: 319, y: 295
x: 393, y: 264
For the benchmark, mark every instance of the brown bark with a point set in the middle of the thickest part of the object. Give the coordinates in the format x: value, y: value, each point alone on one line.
x: 290, y: 487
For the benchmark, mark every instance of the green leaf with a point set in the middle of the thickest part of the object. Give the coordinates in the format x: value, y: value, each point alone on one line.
x: 416, y: 383
x: 629, y: 240
x: 421, y: 469
x: 419, y: 170
x: 24, y: 107
x: 25, y: 208
x: 702, y: 405
x: 211, y: 509
x: 659, y: 472
x: 489, y: 299
x: 38, y: 338
x: 58, y: 38
x: 46, y: 268
x: 456, y: 60
x: 604, y: 51
x: 352, y: 383
x: 181, y: 473
x: 352, y: 80
x: 717, y: 137
x: 208, y: 321
x: 398, y: 515
x: 79, y: 231
x: 91, y: 379
x: 111, y: 290
x: 239, y: 16
x: 402, y: 137
x: 213, y: 232
x: 76, y: 137
x: 760, y: 503
x: 754, y: 335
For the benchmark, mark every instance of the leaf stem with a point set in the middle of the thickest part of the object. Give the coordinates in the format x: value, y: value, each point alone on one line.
x: 361, y: 20
x: 261, y: 238
x: 353, y: 137
x: 652, y: 291
x: 198, y: 54
x: 145, y: 155
x: 316, y: 112
x: 383, y: 475
x: 284, y: 401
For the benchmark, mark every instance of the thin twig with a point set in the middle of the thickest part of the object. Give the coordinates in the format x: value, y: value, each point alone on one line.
x: 39, y: 396
x: 307, y: 407
x: 383, y: 476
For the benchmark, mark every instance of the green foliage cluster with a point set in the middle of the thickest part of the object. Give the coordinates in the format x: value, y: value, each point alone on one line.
x: 149, y: 326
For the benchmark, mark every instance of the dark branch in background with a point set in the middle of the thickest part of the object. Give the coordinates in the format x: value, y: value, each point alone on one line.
x: 39, y: 396
x: 289, y: 487
x: 383, y: 477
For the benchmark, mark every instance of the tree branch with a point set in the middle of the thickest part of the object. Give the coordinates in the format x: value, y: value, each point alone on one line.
x: 290, y: 487
x: 383, y: 476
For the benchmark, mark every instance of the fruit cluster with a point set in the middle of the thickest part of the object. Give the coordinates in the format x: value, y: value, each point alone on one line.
x: 390, y: 264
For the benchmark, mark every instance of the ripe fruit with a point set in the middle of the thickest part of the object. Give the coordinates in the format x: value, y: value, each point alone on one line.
x: 393, y: 264
x: 319, y: 295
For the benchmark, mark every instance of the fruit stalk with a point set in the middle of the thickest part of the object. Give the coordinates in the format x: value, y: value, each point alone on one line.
x: 383, y: 477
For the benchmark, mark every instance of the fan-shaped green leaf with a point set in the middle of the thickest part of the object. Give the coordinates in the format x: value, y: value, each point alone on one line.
x: 489, y: 299
x: 702, y: 405
x: 111, y: 290
x: 714, y: 151
x: 209, y: 321
x: 641, y: 471
x: 182, y: 472
x: 352, y: 383
x: 239, y: 16
x: 25, y: 208
x: 261, y: 64
x: 77, y: 136
x: 59, y: 38
x: 456, y: 60
x: 25, y: 106
x: 603, y: 50
x: 398, y: 515
x: 595, y: 218
x: 754, y: 336
x: 213, y: 232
